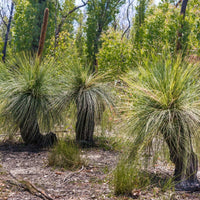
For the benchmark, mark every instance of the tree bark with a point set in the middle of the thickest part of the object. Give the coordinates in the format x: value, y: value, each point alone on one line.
x: 31, y: 135
x: 183, y: 7
x: 183, y: 10
x: 7, y: 32
x: 185, y: 161
x: 85, y: 123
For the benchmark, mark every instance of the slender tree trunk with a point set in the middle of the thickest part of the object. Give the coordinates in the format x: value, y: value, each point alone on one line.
x: 185, y: 161
x: 7, y: 32
x: 85, y: 123
x: 183, y: 7
x: 55, y: 37
x: 180, y: 34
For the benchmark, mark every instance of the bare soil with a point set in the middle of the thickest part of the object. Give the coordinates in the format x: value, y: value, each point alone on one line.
x: 20, y: 162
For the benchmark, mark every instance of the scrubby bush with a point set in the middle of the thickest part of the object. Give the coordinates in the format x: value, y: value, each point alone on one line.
x: 116, y: 55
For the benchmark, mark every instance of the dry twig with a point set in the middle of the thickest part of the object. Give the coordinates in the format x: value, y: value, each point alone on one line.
x: 73, y: 173
x: 28, y: 186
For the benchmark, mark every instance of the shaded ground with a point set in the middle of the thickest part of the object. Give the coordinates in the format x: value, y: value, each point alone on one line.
x: 91, y: 182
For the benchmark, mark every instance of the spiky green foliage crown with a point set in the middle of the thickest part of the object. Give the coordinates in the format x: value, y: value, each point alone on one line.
x: 28, y: 90
x: 164, y: 99
x: 82, y: 88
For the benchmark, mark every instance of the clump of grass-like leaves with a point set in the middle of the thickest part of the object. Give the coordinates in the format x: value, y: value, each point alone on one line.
x: 165, y: 100
x: 66, y: 155
x: 28, y: 90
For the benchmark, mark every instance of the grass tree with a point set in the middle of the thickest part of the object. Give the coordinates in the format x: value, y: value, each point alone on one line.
x: 89, y: 93
x: 166, y: 100
x: 28, y: 88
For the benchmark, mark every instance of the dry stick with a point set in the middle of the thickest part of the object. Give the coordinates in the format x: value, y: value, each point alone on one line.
x: 43, y: 33
x: 31, y: 188
x: 73, y: 173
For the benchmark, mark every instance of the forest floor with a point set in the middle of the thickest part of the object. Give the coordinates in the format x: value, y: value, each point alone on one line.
x: 25, y: 175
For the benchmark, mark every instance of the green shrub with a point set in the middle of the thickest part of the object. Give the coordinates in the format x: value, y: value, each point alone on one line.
x: 65, y: 154
x: 116, y: 55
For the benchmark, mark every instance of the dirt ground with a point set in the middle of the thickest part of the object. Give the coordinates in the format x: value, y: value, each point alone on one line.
x: 19, y: 162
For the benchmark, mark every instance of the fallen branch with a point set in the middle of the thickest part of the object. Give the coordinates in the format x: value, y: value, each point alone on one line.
x: 28, y: 186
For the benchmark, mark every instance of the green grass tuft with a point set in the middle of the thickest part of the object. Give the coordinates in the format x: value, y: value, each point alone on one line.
x: 128, y: 177
x: 66, y: 155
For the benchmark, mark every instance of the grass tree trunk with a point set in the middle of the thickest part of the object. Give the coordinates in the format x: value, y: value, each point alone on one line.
x: 185, y: 161
x: 31, y: 135
x: 85, y: 122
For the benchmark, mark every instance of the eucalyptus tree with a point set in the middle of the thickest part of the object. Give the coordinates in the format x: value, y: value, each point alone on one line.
x: 67, y: 15
x: 100, y: 14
